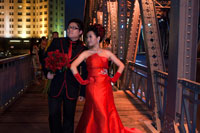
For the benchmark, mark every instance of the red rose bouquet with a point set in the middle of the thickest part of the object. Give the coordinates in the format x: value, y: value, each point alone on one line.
x: 55, y: 61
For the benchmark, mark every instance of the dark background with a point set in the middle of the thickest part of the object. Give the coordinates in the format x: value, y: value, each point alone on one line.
x: 74, y: 9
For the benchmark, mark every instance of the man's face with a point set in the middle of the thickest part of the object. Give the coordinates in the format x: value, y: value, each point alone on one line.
x: 55, y: 35
x: 73, y: 31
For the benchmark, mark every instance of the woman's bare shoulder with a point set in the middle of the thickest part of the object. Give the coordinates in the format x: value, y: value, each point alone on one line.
x: 107, y: 52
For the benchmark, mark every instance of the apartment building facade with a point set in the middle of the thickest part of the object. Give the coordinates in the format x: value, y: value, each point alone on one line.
x: 31, y: 18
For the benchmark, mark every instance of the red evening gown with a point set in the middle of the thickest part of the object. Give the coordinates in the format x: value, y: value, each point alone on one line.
x: 99, y: 113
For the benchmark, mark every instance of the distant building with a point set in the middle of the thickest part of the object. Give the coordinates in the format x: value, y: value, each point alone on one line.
x: 31, y: 18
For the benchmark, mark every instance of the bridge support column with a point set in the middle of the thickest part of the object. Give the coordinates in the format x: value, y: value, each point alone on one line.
x: 182, y: 55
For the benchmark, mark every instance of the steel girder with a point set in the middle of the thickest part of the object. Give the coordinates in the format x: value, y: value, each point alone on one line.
x: 153, y: 48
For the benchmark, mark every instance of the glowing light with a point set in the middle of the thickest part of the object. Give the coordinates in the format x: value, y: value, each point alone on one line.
x: 15, y: 40
x: 26, y: 40
x: 65, y: 33
x: 149, y: 24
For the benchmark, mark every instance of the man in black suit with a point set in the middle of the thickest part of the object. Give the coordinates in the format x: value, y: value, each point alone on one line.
x: 64, y: 87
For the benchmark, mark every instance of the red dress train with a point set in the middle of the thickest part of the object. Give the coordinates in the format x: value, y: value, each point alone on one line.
x: 99, y: 113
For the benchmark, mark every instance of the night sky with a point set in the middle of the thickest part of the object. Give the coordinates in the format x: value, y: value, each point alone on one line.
x: 74, y: 9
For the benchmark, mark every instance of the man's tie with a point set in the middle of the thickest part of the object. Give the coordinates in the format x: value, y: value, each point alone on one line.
x: 70, y: 51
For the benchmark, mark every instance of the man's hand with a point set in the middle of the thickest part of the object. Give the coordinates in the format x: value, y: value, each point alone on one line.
x: 50, y: 75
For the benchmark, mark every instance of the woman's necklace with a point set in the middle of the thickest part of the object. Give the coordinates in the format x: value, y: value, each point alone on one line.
x: 96, y: 51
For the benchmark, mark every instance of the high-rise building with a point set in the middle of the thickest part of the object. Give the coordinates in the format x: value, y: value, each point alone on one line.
x: 31, y: 18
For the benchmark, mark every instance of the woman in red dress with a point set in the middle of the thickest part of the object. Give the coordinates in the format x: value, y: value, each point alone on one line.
x: 99, y: 113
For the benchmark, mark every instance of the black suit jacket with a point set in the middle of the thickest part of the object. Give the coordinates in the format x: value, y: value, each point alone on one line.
x: 72, y: 85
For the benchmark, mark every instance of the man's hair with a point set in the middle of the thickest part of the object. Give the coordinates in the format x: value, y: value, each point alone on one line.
x: 43, y: 38
x: 55, y: 32
x: 78, y: 22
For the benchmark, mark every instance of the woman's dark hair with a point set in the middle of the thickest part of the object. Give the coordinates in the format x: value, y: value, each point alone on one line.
x: 98, y: 30
x: 78, y: 22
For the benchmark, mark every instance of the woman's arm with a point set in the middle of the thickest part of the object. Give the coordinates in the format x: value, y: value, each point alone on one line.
x: 74, y: 70
x: 116, y: 61
x: 77, y: 62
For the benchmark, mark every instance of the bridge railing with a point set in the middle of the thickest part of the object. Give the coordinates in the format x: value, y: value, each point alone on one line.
x: 137, y: 82
x: 190, y: 102
x: 161, y: 92
x: 16, y: 73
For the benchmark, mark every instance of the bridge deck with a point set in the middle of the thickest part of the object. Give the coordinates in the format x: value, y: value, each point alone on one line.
x: 29, y: 114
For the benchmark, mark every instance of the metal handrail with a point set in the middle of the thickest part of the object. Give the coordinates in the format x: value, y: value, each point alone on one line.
x: 190, y: 92
x: 16, y: 72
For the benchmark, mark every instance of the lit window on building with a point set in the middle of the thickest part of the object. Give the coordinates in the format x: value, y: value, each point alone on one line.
x: 28, y: 1
x: 19, y: 1
x: 19, y: 7
x: 28, y: 7
x: 11, y: 20
x: 11, y: 26
x: 28, y: 32
x: 28, y: 14
x: 11, y: 13
x: 11, y: 7
x: 19, y: 19
x: 19, y: 13
x: 28, y: 20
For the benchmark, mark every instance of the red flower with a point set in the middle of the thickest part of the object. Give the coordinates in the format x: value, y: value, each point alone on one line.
x: 55, y: 61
